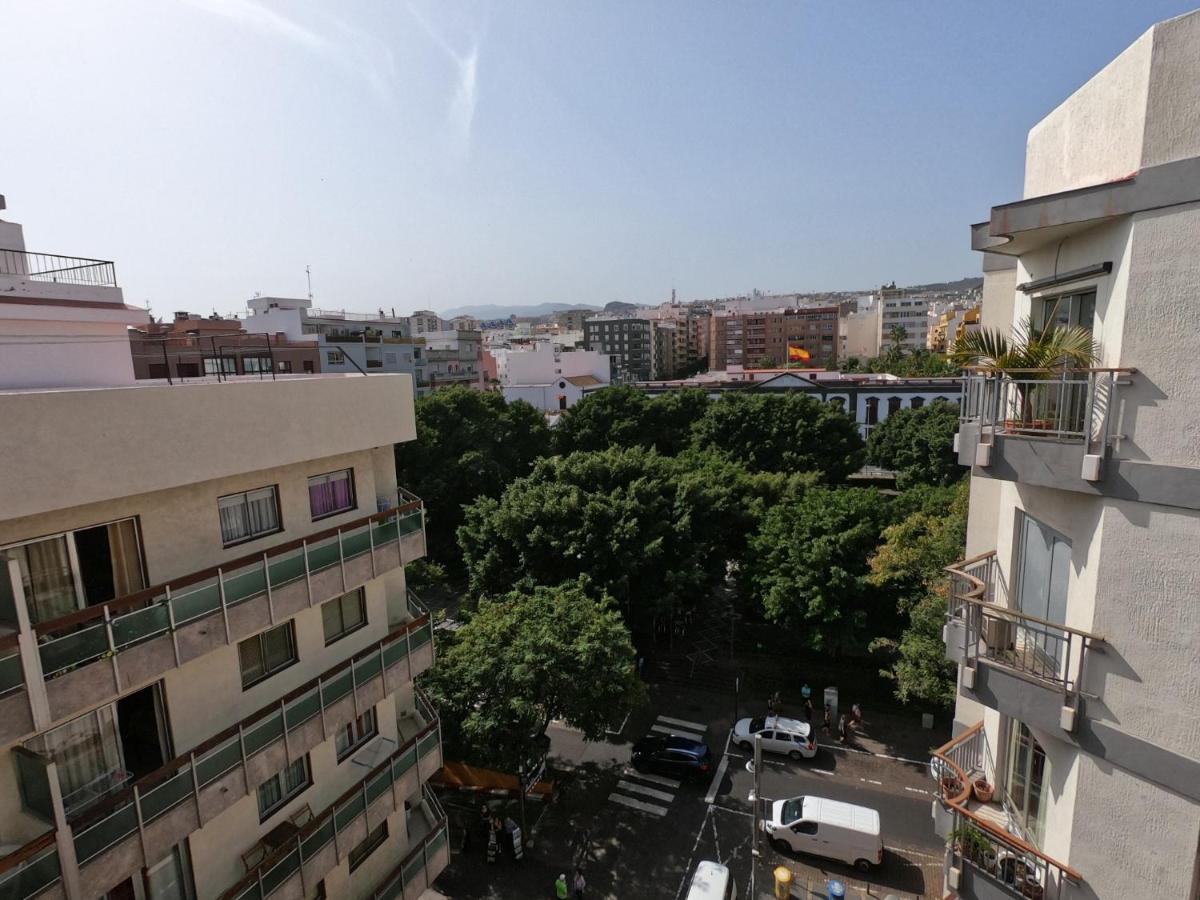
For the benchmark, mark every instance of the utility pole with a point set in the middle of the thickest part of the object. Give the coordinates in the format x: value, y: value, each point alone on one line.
x: 755, y: 800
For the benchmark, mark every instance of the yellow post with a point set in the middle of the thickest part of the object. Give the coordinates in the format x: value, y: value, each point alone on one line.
x: 783, y: 883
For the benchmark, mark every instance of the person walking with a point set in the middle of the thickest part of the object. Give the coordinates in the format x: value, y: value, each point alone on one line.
x: 580, y: 883
x: 856, y: 715
x: 808, y: 710
x: 842, y: 728
x: 560, y: 887
x: 828, y: 718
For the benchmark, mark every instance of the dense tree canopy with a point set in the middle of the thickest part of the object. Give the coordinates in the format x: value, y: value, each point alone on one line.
x: 625, y: 416
x: 530, y: 656
x: 789, y: 432
x: 918, y: 445
x: 913, y: 364
x: 469, y: 444
x: 807, y: 564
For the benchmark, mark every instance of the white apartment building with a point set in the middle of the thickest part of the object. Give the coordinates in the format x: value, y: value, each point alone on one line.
x: 550, y: 378
x: 207, y: 645
x: 858, y: 333
x: 898, y: 308
x: 454, y: 358
x: 1074, y: 616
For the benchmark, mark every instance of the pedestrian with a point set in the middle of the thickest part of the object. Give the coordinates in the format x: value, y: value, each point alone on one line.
x: 828, y: 718
x: 560, y: 887
x: 493, y: 847
x: 641, y: 664
x: 856, y: 715
x: 842, y: 728
x: 808, y: 710
x: 580, y: 884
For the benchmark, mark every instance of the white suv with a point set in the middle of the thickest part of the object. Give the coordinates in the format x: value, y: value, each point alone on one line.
x: 779, y: 735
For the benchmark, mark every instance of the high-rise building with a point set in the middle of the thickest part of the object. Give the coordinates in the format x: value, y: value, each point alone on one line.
x: 207, y: 645
x: 762, y: 339
x: 900, y: 310
x: 629, y: 341
x: 1074, y: 771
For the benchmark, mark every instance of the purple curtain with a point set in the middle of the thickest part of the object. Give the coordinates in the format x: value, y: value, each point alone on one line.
x: 330, y: 495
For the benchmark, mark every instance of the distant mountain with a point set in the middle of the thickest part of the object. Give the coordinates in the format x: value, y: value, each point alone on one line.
x: 620, y: 306
x: 949, y: 287
x: 493, y: 311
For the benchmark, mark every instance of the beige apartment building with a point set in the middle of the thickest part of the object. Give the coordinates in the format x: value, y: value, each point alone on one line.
x: 1075, y: 768
x: 207, y: 645
x: 761, y: 339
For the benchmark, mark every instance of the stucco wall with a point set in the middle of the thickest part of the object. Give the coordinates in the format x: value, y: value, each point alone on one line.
x: 68, y: 448
x: 1173, y: 102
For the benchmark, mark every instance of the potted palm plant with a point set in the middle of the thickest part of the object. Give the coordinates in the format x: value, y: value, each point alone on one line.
x: 1032, y: 354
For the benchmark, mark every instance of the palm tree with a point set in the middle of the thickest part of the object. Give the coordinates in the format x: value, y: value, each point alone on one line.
x: 898, y: 334
x: 1032, y: 354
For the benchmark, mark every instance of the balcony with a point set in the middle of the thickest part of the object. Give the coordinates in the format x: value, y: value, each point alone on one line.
x: 430, y: 854
x: 294, y: 869
x: 54, y: 269
x: 88, y: 657
x: 139, y: 824
x: 1032, y: 668
x: 985, y: 858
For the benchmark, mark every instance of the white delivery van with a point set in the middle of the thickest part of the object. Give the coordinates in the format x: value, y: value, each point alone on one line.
x: 711, y: 881
x: 828, y: 828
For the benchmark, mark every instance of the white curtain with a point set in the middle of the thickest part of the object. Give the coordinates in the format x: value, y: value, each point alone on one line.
x: 88, y: 754
x: 46, y: 577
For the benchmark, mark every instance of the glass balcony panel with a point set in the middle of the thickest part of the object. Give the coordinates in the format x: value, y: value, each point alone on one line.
x: 395, y: 651
x: 348, y: 812
x: 368, y: 668
x: 66, y: 652
x: 33, y: 877
x: 218, y: 761
x: 140, y: 625
x: 99, y: 837
x: 11, y: 675
x: 356, y: 542
x: 245, y: 583
x: 427, y: 744
x: 323, y: 554
x: 195, y: 601
x: 413, y: 869
x: 280, y: 872
x: 379, y: 784
x: 384, y: 531
x: 286, y: 567
x: 264, y: 733
x: 302, y: 708
x: 164, y: 797
x: 337, y: 687
x: 404, y: 762
x: 422, y: 636
x: 312, y: 844
x: 410, y: 522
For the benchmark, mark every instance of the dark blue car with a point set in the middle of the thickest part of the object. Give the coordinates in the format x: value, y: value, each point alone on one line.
x: 673, y: 756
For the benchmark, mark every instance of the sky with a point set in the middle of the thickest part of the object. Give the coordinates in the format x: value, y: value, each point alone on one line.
x: 427, y: 155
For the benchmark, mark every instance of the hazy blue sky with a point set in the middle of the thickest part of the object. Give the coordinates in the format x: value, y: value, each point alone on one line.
x: 431, y: 154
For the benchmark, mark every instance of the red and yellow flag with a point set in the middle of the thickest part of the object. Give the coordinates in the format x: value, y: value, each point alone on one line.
x: 798, y: 354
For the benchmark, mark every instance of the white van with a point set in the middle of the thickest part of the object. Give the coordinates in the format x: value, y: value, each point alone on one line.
x: 711, y: 881
x: 828, y: 828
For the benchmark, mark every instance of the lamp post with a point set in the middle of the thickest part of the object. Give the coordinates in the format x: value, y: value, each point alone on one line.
x: 755, y: 795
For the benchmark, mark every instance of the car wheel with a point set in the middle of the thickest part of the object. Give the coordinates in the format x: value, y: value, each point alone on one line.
x: 795, y: 754
x: 746, y: 745
x: 780, y: 845
x: 863, y: 865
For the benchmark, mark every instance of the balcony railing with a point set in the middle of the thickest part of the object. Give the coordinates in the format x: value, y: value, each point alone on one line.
x: 12, y: 678
x: 30, y: 870
x: 424, y: 862
x: 1037, y: 648
x: 991, y: 850
x: 105, y: 630
x: 56, y: 269
x: 304, y: 854
x: 1067, y: 404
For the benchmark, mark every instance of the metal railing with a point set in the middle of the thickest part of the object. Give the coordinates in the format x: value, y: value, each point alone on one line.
x: 421, y: 858
x: 56, y: 269
x: 992, y: 851
x: 28, y: 871
x: 101, y: 631
x: 1066, y: 404
x: 269, y: 875
x: 1045, y: 651
x: 12, y: 676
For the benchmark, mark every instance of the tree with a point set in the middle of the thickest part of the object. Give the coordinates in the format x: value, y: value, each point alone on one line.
x: 918, y: 363
x: 626, y: 416
x: 469, y: 444
x: 671, y: 418
x: 918, y: 445
x: 617, y: 517
x: 807, y: 564
x: 897, y: 334
x: 784, y: 432
x: 524, y: 659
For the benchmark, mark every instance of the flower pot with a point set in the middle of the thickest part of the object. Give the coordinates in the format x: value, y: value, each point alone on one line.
x: 984, y: 791
x: 1031, y: 888
x: 988, y: 860
x: 951, y: 787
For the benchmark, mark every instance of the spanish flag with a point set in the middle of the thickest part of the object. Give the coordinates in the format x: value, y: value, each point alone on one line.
x: 798, y: 354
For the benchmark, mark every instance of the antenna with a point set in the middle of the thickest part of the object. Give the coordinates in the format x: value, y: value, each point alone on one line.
x: 308, y: 275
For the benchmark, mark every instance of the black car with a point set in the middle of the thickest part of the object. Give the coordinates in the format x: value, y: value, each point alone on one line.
x: 671, y: 755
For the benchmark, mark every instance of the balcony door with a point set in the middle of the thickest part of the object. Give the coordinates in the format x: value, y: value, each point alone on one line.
x: 1027, y: 774
x: 1043, y: 571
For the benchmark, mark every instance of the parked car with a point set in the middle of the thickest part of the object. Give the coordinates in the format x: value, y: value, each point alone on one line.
x: 672, y: 755
x: 779, y: 735
x: 828, y: 828
x: 711, y: 881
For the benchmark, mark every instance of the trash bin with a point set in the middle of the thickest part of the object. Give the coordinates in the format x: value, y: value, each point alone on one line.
x: 835, y: 890
x: 783, y: 883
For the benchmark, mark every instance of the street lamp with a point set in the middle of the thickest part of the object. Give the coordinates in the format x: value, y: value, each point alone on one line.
x: 755, y: 767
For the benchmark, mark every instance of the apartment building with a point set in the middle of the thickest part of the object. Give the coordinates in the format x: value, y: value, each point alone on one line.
x: 858, y: 331
x: 1073, y: 618
x: 192, y: 346
x: 347, y: 343
x: 207, y: 646
x: 548, y: 376
x: 454, y: 358
x: 761, y: 339
x: 898, y: 308
x: 949, y: 321
x: 630, y: 341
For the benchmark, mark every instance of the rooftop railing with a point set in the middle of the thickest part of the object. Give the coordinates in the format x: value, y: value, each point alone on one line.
x: 991, y: 850
x: 57, y: 269
x: 1046, y: 651
x: 1066, y: 404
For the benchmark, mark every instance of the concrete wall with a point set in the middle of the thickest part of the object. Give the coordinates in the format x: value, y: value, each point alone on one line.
x: 1172, y: 129
x: 97, y: 445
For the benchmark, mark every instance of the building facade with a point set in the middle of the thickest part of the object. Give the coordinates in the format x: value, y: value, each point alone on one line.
x: 629, y: 341
x: 454, y: 358
x: 899, y: 309
x: 1073, y: 616
x: 207, y: 645
x: 858, y: 332
x: 191, y: 346
x: 762, y: 339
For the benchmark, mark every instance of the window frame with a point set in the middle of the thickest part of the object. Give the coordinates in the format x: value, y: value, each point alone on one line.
x: 373, y: 840
x: 289, y: 629
x: 361, y: 594
x: 349, y: 470
x: 278, y: 529
x: 356, y: 743
x: 284, y: 797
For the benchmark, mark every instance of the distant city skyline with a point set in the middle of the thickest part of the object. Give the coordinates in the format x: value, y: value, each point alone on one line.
x: 433, y: 156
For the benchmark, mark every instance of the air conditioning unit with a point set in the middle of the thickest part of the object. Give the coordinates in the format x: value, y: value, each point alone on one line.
x: 1066, y: 719
x: 968, y: 677
x: 983, y: 455
x: 953, y: 877
x: 998, y: 633
x: 1092, y: 465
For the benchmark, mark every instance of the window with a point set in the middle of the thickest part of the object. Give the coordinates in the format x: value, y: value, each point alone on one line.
x: 255, y: 364
x: 345, y: 614
x: 249, y: 515
x: 282, y: 787
x: 1043, y: 569
x: 223, y: 365
x: 917, y: 402
x: 805, y: 828
x: 368, y: 846
x: 308, y: 366
x: 354, y: 734
x: 331, y: 493
x: 265, y: 654
x: 1028, y: 771
x: 334, y: 358
x: 1065, y: 310
x: 285, y: 365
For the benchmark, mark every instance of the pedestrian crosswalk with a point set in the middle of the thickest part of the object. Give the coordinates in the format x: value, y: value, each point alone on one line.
x: 648, y: 793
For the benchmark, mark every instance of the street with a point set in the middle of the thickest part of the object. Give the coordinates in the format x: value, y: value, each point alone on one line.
x: 640, y: 836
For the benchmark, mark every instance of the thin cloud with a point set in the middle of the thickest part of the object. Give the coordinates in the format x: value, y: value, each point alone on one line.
x: 261, y: 18
x: 461, y: 112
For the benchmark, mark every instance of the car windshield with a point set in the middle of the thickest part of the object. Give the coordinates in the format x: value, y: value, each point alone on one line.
x: 792, y: 810
x: 757, y: 725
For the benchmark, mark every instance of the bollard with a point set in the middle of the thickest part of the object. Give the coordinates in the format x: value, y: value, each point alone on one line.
x: 783, y: 883
x: 835, y: 890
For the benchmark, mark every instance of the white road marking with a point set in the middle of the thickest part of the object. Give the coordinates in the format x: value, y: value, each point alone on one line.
x: 663, y: 729
x: 653, y: 779
x: 718, y: 776
x: 638, y: 805
x: 823, y: 771
x: 903, y: 759
x: 919, y: 853
x: 688, y: 871
x: 736, y: 812
x: 690, y: 726
x: 642, y: 789
x: 870, y: 781
x: 916, y: 790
